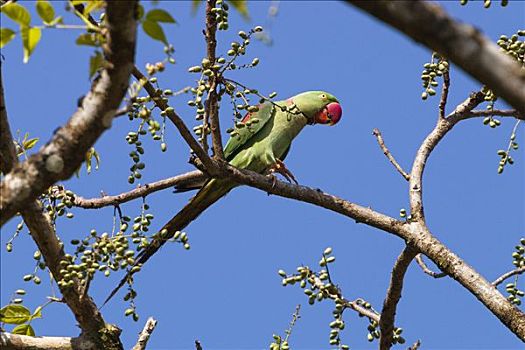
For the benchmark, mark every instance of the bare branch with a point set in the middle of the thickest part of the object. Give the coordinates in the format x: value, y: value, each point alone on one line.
x: 426, y: 269
x: 494, y: 112
x: 175, y: 118
x: 506, y: 275
x: 393, y: 295
x: 212, y: 106
x: 444, y: 93
x: 24, y: 342
x: 464, y: 109
x: 144, y: 336
x: 64, y: 153
x: 428, y: 24
x: 389, y: 155
x: 139, y: 192
x: 86, y: 312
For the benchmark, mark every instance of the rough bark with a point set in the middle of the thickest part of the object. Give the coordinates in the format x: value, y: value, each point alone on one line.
x: 393, y: 295
x: 65, y: 152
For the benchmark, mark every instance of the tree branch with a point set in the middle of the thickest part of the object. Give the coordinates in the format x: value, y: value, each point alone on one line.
x: 83, y: 307
x: 389, y: 155
x: 25, y: 342
x: 175, y: 119
x: 506, y: 275
x: 144, y: 336
x: 443, y: 126
x: 444, y: 93
x: 354, y: 305
x: 428, y: 24
x: 64, y: 153
x: 415, y: 232
x: 212, y: 106
x: 393, y: 295
x: 495, y: 112
x: 44, y: 235
x: 141, y: 191
x: 426, y: 269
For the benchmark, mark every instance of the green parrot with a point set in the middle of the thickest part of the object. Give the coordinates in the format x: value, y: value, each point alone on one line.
x: 259, y: 143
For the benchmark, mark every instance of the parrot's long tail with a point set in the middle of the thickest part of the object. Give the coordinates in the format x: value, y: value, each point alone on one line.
x: 209, y: 194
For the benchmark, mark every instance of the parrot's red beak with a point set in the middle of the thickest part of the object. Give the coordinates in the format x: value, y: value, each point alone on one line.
x: 330, y: 114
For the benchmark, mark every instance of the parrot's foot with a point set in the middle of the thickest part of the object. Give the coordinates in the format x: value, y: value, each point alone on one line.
x: 279, y: 167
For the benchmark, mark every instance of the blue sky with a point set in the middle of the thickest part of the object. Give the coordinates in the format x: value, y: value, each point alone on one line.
x: 225, y: 291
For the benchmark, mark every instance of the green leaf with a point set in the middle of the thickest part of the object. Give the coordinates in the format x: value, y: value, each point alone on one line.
x: 241, y: 6
x: 17, y: 13
x: 154, y: 30
x: 14, y: 314
x: 93, y: 5
x: 95, y: 63
x: 24, y: 329
x: 30, y: 38
x: 46, y: 11
x: 88, y: 39
x: 37, y: 313
x: 97, y: 158
x: 158, y: 15
x: 6, y: 35
x: 89, y: 155
x: 30, y: 143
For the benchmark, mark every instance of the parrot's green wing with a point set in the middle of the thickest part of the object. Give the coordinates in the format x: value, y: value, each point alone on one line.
x: 250, y: 125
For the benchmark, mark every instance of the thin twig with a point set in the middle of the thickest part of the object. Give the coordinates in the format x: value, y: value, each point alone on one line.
x: 495, y: 112
x: 144, y: 336
x: 355, y: 305
x: 139, y: 192
x: 500, y: 279
x: 393, y: 295
x: 175, y: 118
x: 295, y: 316
x: 389, y: 155
x: 444, y: 92
x: 212, y: 105
x: 426, y: 269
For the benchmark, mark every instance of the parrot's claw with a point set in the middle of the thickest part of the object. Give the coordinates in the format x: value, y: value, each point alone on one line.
x: 274, y: 180
x: 280, y: 168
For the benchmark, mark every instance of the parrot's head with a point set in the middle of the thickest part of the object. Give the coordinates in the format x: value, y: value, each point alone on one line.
x: 319, y: 107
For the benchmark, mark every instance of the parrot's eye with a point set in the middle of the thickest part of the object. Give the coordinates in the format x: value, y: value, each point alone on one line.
x: 323, y: 96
